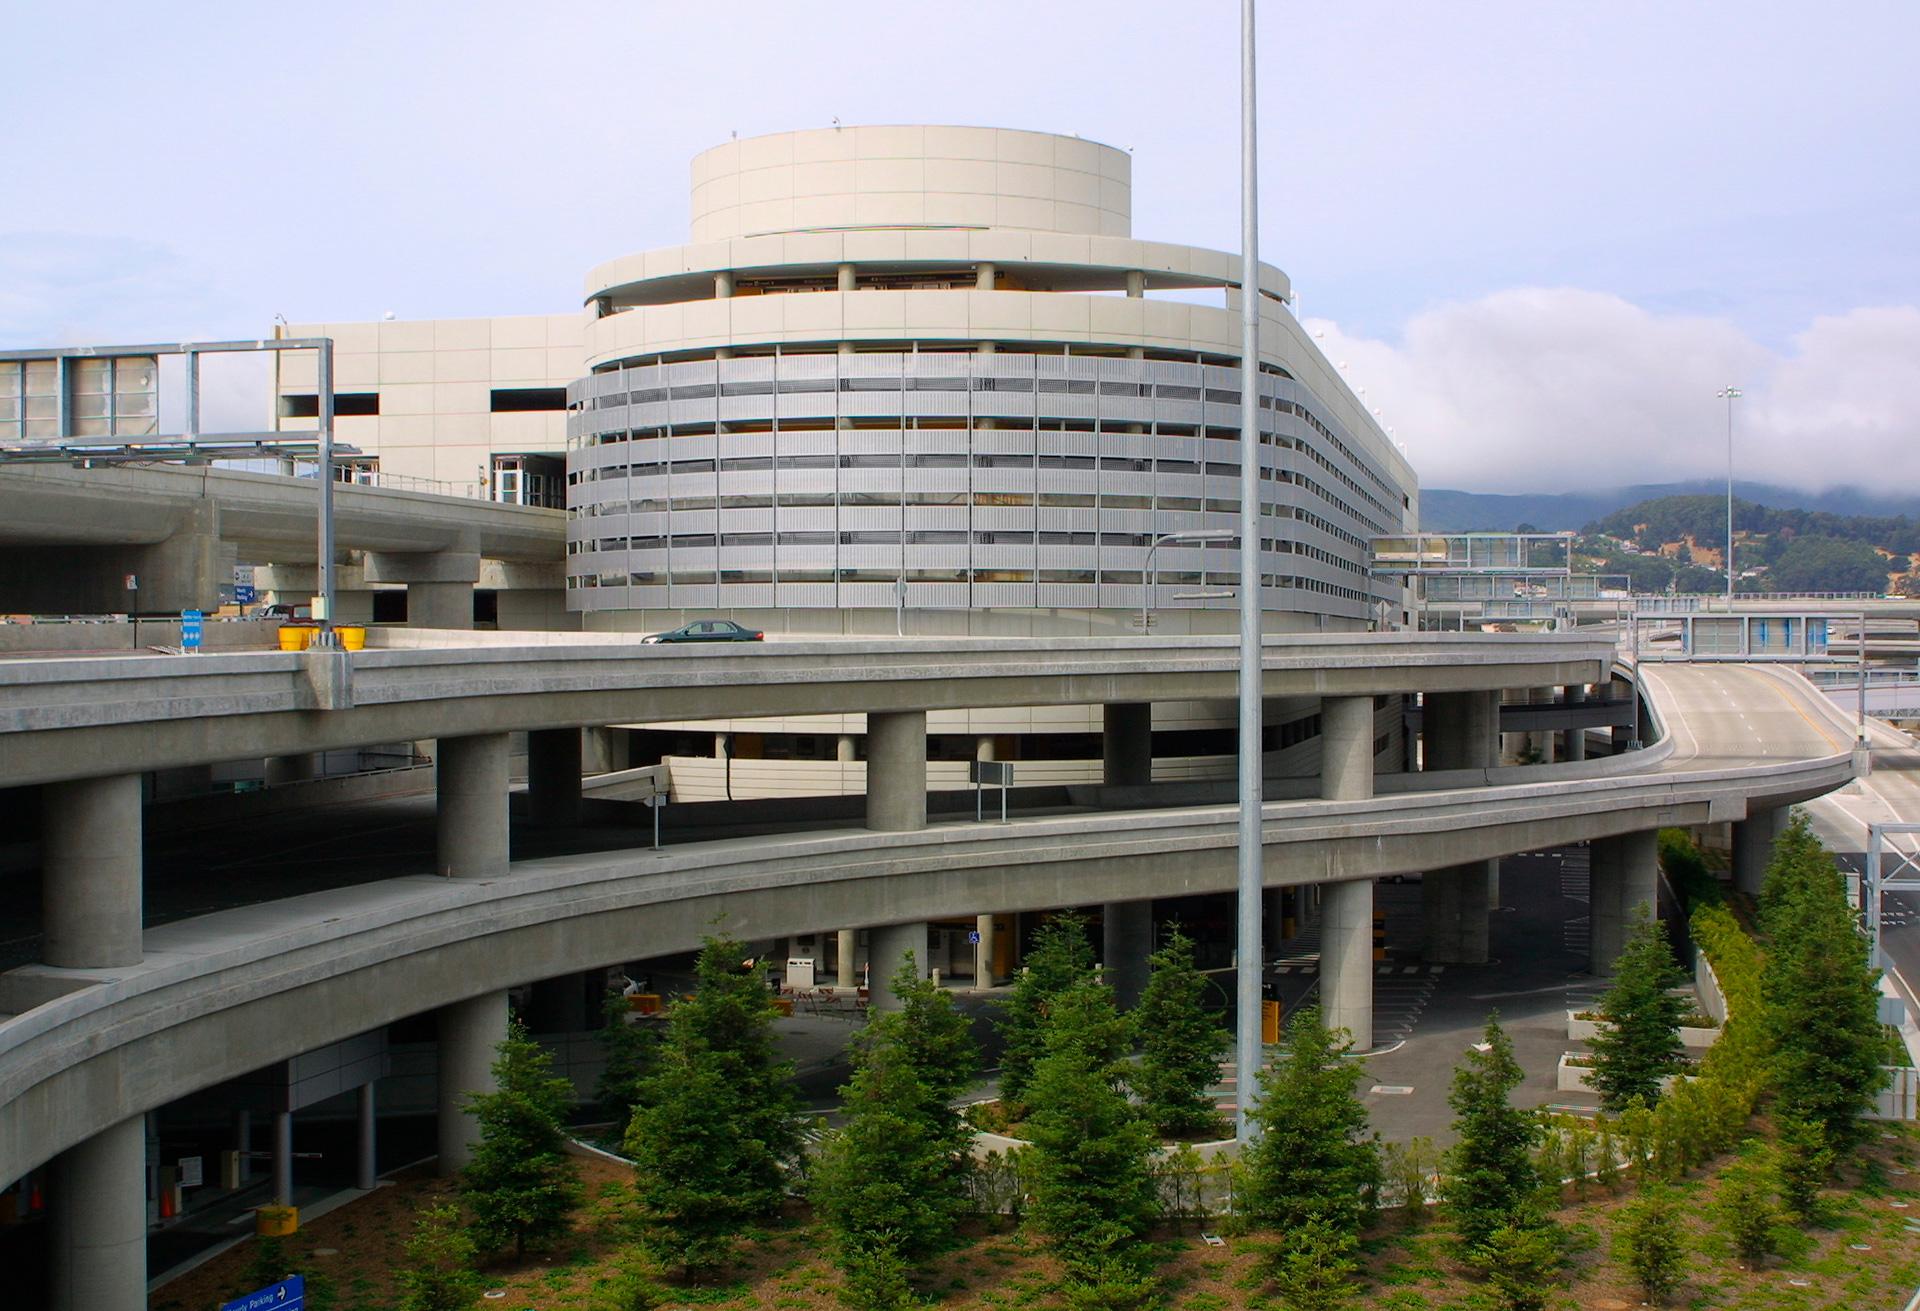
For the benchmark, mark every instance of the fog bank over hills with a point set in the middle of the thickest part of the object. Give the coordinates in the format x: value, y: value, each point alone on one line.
x: 1445, y: 510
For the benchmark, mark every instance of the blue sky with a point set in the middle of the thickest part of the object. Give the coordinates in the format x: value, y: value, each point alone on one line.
x: 1536, y: 232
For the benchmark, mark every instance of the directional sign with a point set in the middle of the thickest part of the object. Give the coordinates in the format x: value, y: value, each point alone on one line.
x: 191, y: 629
x: 243, y: 594
x: 290, y: 1294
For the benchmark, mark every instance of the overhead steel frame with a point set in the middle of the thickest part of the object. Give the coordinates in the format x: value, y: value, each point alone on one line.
x: 67, y: 448
x: 1875, y: 883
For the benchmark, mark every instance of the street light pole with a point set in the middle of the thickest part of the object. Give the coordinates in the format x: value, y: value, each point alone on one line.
x: 1729, y: 394
x: 1150, y: 577
x: 1248, y: 1048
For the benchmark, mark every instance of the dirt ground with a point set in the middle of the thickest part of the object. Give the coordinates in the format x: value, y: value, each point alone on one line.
x: 1863, y: 1257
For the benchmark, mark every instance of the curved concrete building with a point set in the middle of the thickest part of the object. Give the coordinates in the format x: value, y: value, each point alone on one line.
x: 932, y: 367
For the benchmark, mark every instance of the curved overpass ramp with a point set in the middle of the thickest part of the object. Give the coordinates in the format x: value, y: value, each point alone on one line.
x: 224, y: 994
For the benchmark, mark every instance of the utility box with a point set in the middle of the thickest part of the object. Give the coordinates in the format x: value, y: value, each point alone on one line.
x: 799, y: 972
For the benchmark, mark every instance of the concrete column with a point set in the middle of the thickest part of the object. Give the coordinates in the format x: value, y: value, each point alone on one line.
x: 243, y: 1141
x: 723, y: 284
x: 97, y: 1227
x: 848, y: 972
x: 896, y: 773
x: 553, y: 777
x: 471, y: 776
x: 983, y: 951
x: 1455, y: 903
x: 1127, y: 941
x: 440, y: 605
x: 984, y: 276
x: 1573, y: 739
x: 90, y: 890
x: 1606, y: 926
x: 889, y: 947
x: 1346, y: 748
x: 1753, y: 847
x: 1543, y: 742
x: 469, y: 1033
x: 1346, y: 960
x: 283, y: 1158
x: 1136, y: 283
x: 292, y: 769
x: 1461, y: 729
x: 1126, y: 744
x: 843, y: 748
x: 844, y: 278
x: 366, y: 1173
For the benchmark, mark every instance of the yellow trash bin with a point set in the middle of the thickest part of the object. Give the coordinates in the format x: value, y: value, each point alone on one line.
x: 295, y: 637
x: 352, y: 637
x: 276, y: 1221
x: 1269, y: 1021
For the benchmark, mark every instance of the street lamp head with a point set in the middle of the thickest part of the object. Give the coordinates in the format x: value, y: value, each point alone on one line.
x: 1729, y: 393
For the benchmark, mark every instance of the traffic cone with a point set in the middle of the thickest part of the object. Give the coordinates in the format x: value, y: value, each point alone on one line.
x: 166, y: 1203
x: 35, y: 1202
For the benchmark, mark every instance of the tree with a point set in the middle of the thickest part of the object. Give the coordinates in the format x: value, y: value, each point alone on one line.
x: 1407, y: 1171
x: 884, y: 1182
x: 1829, y: 564
x: 1093, y: 1193
x: 521, y: 1185
x: 1648, y: 1242
x: 1640, y: 1043
x: 1313, y: 1158
x: 1061, y: 957
x: 1521, y: 1261
x: 629, y: 1050
x: 1745, y: 1210
x: 715, y: 1128
x: 1802, y: 1160
x: 1822, y: 998
x: 438, y: 1274
x: 1490, y: 1179
x: 1314, y: 1267
x: 1180, y: 1043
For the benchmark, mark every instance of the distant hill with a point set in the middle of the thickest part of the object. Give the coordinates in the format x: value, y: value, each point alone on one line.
x: 1447, y: 511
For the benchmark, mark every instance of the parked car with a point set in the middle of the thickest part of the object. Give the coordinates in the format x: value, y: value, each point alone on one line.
x: 708, y: 630
x: 285, y: 611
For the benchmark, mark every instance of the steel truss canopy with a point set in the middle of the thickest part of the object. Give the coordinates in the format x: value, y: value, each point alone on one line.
x: 100, y: 404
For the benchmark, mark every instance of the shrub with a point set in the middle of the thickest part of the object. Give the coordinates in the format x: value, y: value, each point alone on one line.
x: 1407, y: 1170
x: 438, y: 1274
x: 1521, y: 1261
x: 1314, y: 1267
x: 1745, y: 1211
x: 1648, y: 1241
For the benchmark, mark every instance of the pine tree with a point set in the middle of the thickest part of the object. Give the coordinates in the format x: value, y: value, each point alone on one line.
x: 1822, y: 997
x: 1180, y: 1043
x: 1798, y: 862
x: 1314, y: 1267
x: 1093, y: 1191
x: 716, y: 1124
x: 438, y: 1274
x: 884, y: 1182
x: 1641, y: 1041
x: 1521, y: 1261
x: 1061, y: 958
x: 1744, y: 1207
x: 1802, y: 1160
x: 629, y: 1051
x: 1490, y: 1179
x: 1313, y: 1158
x: 521, y: 1185
x: 1649, y: 1243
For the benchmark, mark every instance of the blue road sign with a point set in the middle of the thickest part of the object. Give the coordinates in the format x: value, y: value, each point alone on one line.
x: 191, y: 629
x: 243, y: 594
x: 290, y: 1294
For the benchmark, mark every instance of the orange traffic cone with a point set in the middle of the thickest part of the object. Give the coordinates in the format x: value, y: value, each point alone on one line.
x: 35, y: 1202
x: 166, y: 1203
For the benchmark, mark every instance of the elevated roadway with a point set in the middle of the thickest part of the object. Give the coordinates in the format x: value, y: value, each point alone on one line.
x: 217, y: 996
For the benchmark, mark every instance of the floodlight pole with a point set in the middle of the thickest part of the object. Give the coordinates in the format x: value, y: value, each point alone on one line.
x: 1248, y: 1049
x: 1729, y: 394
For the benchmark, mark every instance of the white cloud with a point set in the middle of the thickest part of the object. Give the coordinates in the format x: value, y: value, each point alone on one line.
x: 1555, y: 389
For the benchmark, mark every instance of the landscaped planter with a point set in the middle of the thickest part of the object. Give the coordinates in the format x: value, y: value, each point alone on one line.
x: 1214, y: 1157
x: 1569, y: 1077
x: 1695, y: 1039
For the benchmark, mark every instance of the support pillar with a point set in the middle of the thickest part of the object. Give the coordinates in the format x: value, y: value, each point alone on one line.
x: 470, y: 774
x: 983, y: 951
x: 896, y: 774
x: 1127, y: 941
x: 1753, y: 847
x: 366, y: 1173
x: 843, y: 748
x: 469, y: 1033
x: 1461, y: 730
x: 847, y: 963
x: 553, y: 777
x: 98, y: 1222
x: 888, y: 952
x: 1126, y: 744
x: 1346, y: 960
x: 1573, y: 741
x: 1346, y: 748
x: 90, y: 889
x: 243, y: 1142
x: 1455, y: 902
x: 283, y: 1158
x: 1625, y: 874
x: 439, y: 584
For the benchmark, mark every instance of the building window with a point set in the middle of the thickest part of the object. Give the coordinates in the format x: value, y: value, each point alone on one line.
x: 520, y: 400
x: 306, y: 405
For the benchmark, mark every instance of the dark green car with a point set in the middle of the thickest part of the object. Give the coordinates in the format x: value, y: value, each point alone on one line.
x: 708, y: 630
